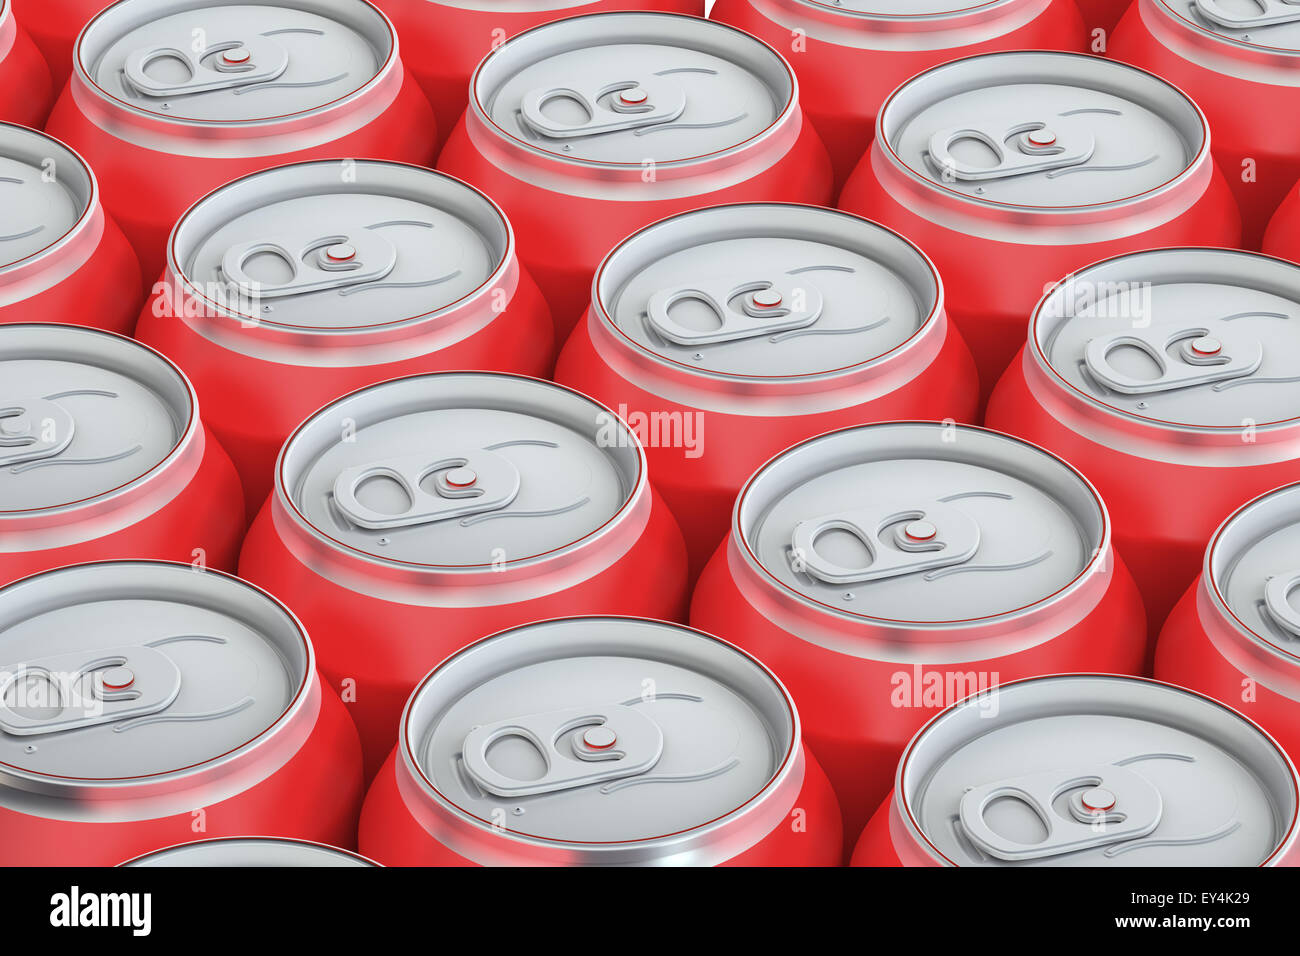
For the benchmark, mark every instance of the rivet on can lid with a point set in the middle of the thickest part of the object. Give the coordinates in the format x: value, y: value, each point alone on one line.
x: 599, y: 738
x: 1097, y: 800
x: 766, y: 298
x: 237, y: 56
x: 118, y: 678
x: 1207, y: 345
x: 461, y: 477
x: 920, y: 530
x: 341, y: 252
x: 1041, y: 137
x: 634, y: 97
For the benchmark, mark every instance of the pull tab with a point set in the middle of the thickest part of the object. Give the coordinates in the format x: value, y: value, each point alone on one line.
x: 465, y: 484
x: 1023, y: 147
x: 220, y: 66
x: 1270, y: 12
x: 318, y: 263
x: 617, y: 742
x: 899, y: 540
x: 1277, y: 593
x: 761, y: 307
x: 1110, y: 804
x: 33, y: 428
x: 52, y: 694
x: 1201, y: 354
x: 610, y: 107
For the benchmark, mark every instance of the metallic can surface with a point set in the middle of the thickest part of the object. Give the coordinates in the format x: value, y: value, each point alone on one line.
x: 271, y: 82
x: 1168, y: 377
x: 1242, y: 67
x: 53, y: 25
x: 725, y: 335
x: 454, y: 35
x: 26, y: 90
x: 62, y: 258
x: 1013, y: 169
x: 251, y: 852
x: 601, y: 741
x: 103, y: 455
x: 1233, y: 635
x: 293, y: 286
x: 850, y: 56
x: 144, y: 702
x: 700, y: 114
x: 520, y: 500
x: 886, y: 571
x: 1088, y: 770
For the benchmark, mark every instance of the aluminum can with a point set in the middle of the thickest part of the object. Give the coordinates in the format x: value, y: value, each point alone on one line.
x: 886, y: 571
x: 1283, y: 235
x: 699, y: 114
x: 169, y: 99
x: 1102, y: 14
x: 725, y: 335
x: 293, y: 286
x: 251, y: 852
x: 145, y: 702
x: 103, y: 454
x: 850, y: 55
x: 1088, y: 770
x: 1233, y: 634
x: 414, y: 517
x: 1167, y: 377
x: 53, y: 26
x: 596, y: 741
x: 26, y: 90
x: 1013, y: 169
x: 62, y: 258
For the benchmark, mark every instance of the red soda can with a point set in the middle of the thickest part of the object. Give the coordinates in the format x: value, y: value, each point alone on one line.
x: 1233, y: 634
x: 453, y: 35
x: 62, y: 259
x: 53, y: 26
x: 850, y: 55
x: 250, y: 851
x: 1088, y: 770
x: 145, y: 702
x: 324, y: 277
x: 26, y: 90
x: 699, y: 114
x: 1168, y: 377
x: 1226, y: 56
x: 601, y: 741
x: 887, y: 571
x: 1013, y: 169
x: 169, y: 99
x: 1102, y: 14
x: 103, y: 455
x: 1283, y: 235
x: 416, y: 516
x: 725, y: 335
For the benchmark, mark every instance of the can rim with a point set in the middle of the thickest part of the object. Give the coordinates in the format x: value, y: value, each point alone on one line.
x: 1229, y: 41
x: 251, y: 838
x: 91, y: 204
x: 972, y: 7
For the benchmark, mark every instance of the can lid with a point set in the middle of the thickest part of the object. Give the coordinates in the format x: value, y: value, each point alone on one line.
x: 599, y: 731
x: 1047, y: 130
x: 45, y: 190
x: 213, y: 62
x: 767, y: 290
x: 1083, y: 770
x: 460, y: 469
x: 82, y: 414
x: 910, y: 9
x: 115, y: 671
x: 1271, y: 24
x: 1202, y: 338
x: 251, y: 851
x: 632, y: 88
x: 920, y: 522
x: 301, y: 246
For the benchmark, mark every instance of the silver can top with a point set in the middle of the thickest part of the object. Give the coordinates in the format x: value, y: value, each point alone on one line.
x: 1273, y: 25
x: 910, y: 9
x: 45, y: 190
x: 1078, y: 770
x: 251, y: 852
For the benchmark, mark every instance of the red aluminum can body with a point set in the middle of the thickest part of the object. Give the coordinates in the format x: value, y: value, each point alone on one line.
x: 834, y: 635
x: 711, y: 406
x: 1001, y: 233
x: 453, y: 37
x: 880, y: 45
x: 53, y: 25
x: 26, y: 90
x: 416, y: 814
x: 307, y: 745
x: 176, y: 149
x: 444, y: 290
x: 584, y: 530
x: 130, y: 470
x: 572, y: 198
x: 64, y: 258
x: 1283, y: 235
x: 1102, y: 14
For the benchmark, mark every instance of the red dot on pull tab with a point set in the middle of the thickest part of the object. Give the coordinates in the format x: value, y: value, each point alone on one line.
x: 236, y: 57
x: 1207, y: 346
x: 1042, y: 137
x: 1097, y: 800
x: 461, y: 477
x: 766, y: 298
x: 117, y: 678
x: 340, y: 253
x: 920, y: 531
x: 634, y: 97
x: 599, y: 738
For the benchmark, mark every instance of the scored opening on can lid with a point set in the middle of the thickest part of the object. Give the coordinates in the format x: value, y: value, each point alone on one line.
x: 203, y: 61
x: 303, y: 247
x: 632, y: 88
x: 1272, y: 25
x: 1090, y: 770
x: 920, y: 523
x: 83, y: 414
x: 767, y: 290
x: 1185, y: 337
x: 46, y: 190
x: 460, y: 470
x: 599, y: 732
x: 126, y: 672
x: 251, y: 851
x: 1043, y: 130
